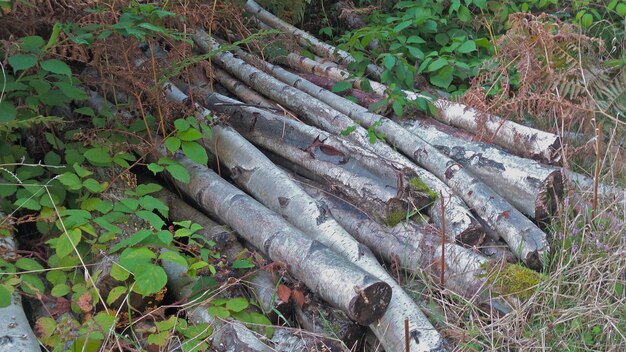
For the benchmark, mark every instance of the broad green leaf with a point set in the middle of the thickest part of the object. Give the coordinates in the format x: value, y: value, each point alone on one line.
x: 56, y: 277
x: 174, y: 257
x: 28, y: 203
x: 98, y: 156
x: 94, y: 186
x: 60, y: 290
x: 28, y: 264
x: 587, y: 20
x: 178, y: 172
x: 73, y: 92
x: 443, y: 77
x: 242, y: 264
x: 153, y: 219
x: 32, y: 284
x: 148, y: 202
x: 33, y: 43
x: 116, y: 293
x: 67, y: 241
x: 5, y: 296
x: 71, y: 181
x: 119, y: 273
x: 172, y: 144
x: 7, y: 111
x: 464, y: 14
x: 56, y: 66
x: 341, y: 86
x: 147, y: 188
x: 165, y: 236
x: 389, y: 61
x: 182, y: 124
x: 190, y: 134
x: 437, y: 64
x: 21, y: 62
x: 218, y: 312
x: 149, y: 279
x: 467, y: 47
x: 237, y: 304
x: 195, y: 152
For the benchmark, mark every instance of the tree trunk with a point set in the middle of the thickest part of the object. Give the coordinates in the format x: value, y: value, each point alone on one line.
x: 533, y: 188
x: 15, y: 332
x: 527, y: 241
x: 255, y: 173
x: 521, y: 140
x: 388, y: 199
x: 342, y: 284
x: 459, y: 220
x: 306, y: 40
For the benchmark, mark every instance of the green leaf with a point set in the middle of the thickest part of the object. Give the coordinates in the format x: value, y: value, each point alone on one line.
x: 150, y: 203
x: 191, y: 134
x: 436, y: 65
x: 7, y: 111
x: 443, y: 77
x: 21, y: 62
x: 178, y: 172
x: 195, y: 152
x: 155, y: 168
x: 60, y: 290
x: 119, y: 273
x: 56, y: 277
x: 182, y: 125
x: 621, y: 9
x: 587, y: 20
x: 94, y: 186
x: 28, y: 264
x: 152, y: 218
x: 71, y: 181
x: 149, y: 279
x: 71, y: 91
x: 66, y: 242
x: 174, y: 257
x: 147, y: 188
x: 348, y: 130
x: 98, y: 156
x: 464, y: 14
x: 172, y: 144
x: 87, y: 111
x: 341, y: 86
x: 28, y: 203
x: 237, y: 304
x: 415, y: 52
x: 115, y: 293
x: 165, y: 236
x: 242, y: 264
x: 32, y: 44
x: 389, y: 61
x: 56, y: 66
x: 218, y: 312
x: 32, y: 284
x: 5, y: 296
x: 467, y: 47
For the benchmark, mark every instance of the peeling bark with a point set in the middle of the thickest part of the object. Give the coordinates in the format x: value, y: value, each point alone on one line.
x: 533, y: 188
x: 521, y: 140
x: 15, y: 331
x: 386, y: 198
x: 254, y: 172
x: 306, y: 39
x: 339, y: 282
x: 525, y: 239
x: 459, y: 221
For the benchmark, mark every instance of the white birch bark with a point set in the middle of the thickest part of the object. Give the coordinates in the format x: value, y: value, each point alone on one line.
x: 525, y: 239
x: 306, y: 39
x: 533, y: 188
x: 240, y: 90
x: 15, y: 331
x: 385, y: 193
x: 459, y: 220
x: 255, y: 173
x: 521, y: 140
x: 339, y: 282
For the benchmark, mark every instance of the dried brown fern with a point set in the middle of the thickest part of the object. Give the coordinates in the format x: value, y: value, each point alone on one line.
x: 546, y: 68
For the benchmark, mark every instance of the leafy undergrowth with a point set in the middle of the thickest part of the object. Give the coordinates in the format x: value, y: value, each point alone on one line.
x: 68, y: 186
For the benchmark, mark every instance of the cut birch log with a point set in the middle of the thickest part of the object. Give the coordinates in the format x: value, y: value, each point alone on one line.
x: 254, y: 172
x: 388, y: 199
x: 339, y: 282
x: 241, y: 90
x: 525, y: 239
x: 15, y: 331
x: 533, y: 188
x: 521, y: 140
x: 306, y: 39
x: 363, y: 98
x: 261, y: 284
x: 410, y: 246
x: 326, y: 321
x: 459, y: 220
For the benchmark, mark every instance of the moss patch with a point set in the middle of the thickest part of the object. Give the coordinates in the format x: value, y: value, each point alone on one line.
x: 419, y: 185
x: 515, y: 280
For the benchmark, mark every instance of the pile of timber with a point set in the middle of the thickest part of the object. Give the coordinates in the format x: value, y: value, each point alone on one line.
x: 336, y: 208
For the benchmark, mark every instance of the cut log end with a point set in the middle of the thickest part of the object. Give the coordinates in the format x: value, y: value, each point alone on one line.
x: 472, y: 234
x: 370, y: 303
x: 550, y: 196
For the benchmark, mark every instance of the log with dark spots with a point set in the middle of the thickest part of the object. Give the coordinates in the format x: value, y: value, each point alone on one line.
x: 452, y: 169
x: 283, y: 202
